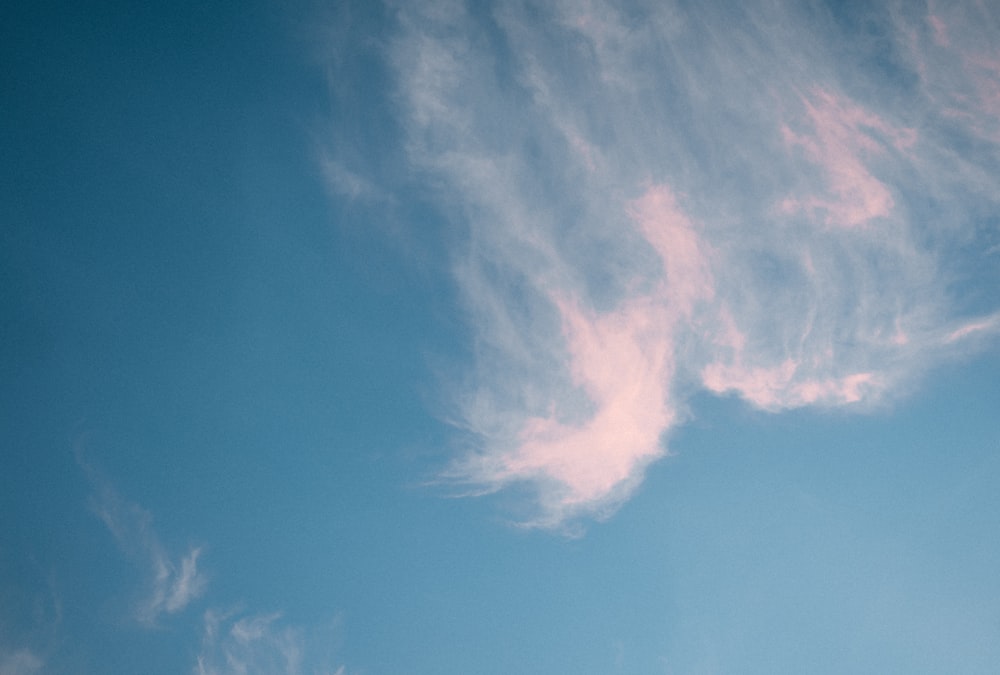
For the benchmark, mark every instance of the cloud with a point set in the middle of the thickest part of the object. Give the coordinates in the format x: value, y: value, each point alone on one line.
x: 987, y: 325
x: 841, y: 138
x: 173, y: 581
x: 31, y: 619
x: 959, y: 67
x: 349, y: 184
x: 19, y: 662
x: 767, y: 202
x: 234, y: 643
x: 174, y: 588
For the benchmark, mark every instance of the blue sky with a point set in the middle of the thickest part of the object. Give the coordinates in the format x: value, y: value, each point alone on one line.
x: 502, y: 337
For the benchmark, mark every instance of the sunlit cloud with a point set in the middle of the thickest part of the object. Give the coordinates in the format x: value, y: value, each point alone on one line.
x: 659, y: 200
x: 987, y: 325
x: 841, y: 139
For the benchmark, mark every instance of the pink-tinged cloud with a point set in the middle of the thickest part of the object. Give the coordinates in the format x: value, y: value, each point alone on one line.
x: 687, y: 277
x: 987, y: 325
x: 651, y: 206
x: 623, y: 360
x: 984, y: 71
x: 960, y: 73
x: 841, y: 138
x: 939, y: 31
x: 972, y: 99
x: 777, y: 387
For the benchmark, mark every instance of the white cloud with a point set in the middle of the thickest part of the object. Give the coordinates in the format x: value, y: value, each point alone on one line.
x: 235, y: 643
x: 173, y: 581
x: 659, y: 200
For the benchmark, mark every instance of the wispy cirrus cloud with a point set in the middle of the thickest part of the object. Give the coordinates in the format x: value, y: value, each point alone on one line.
x: 173, y: 581
x: 842, y: 139
x: 237, y: 643
x: 953, y: 49
x: 660, y: 199
x: 234, y: 641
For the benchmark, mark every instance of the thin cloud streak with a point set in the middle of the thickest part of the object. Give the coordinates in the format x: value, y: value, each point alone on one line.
x: 234, y: 643
x: 660, y: 200
x: 173, y: 582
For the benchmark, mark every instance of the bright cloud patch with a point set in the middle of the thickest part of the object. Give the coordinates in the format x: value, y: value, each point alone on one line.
x: 842, y: 139
x: 659, y: 200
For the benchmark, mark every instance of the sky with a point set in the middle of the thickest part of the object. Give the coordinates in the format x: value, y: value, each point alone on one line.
x: 364, y: 338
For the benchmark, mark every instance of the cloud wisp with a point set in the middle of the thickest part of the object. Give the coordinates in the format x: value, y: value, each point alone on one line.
x: 658, y: 199
x: 173, y: 581
x: 19, y: 662
x: 236, y: 643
